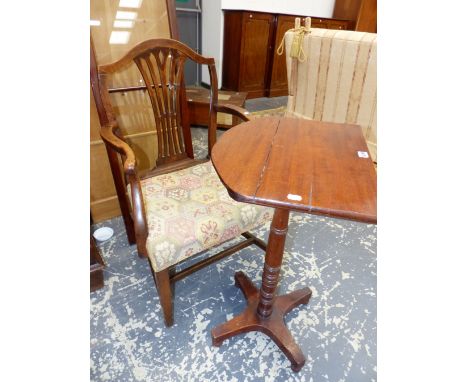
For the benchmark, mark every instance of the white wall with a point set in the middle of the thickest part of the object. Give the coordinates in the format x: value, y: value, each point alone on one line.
x: 212, y: 36
x: 213, y: 21
x: 319, y: 8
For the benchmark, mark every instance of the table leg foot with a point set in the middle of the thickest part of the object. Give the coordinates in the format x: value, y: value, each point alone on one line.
x: 289, y: 301
x: 245, y: 285
x: 273, y: 326
x: 237, y: 325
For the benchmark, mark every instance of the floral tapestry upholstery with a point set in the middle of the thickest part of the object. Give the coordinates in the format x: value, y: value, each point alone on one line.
x: 189, y: 211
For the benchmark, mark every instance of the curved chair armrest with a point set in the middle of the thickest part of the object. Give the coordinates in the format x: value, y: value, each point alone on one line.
x: 234, y: 110
x: 108, y: 135
x: 130, y: 170
x: 225, y: 108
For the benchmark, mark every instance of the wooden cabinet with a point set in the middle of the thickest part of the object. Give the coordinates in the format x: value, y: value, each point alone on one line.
x: 279, y: 77
x: 257, y: 30
x: 251, y: 39
x: 363, y: 13
x: 247, y: 46
x: 152, y: 22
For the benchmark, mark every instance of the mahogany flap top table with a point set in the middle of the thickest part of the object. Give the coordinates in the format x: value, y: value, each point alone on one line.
x: 290, y: 164
x: 302, y: 165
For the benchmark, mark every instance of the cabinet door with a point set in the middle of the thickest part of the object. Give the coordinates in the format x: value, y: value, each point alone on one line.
x: 317, y: 22
x: 257, y: 33
x: 338, y: 24
x: 279, y: 77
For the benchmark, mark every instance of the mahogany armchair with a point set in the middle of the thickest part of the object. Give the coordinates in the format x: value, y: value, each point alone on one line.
x: 179, y: 208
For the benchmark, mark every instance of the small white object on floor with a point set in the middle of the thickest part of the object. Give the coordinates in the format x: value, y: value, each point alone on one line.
x: 103, y: 233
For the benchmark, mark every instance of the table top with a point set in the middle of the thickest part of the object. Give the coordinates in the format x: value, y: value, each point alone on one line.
x: 308, y: 166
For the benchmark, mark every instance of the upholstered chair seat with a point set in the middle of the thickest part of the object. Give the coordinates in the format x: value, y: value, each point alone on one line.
x: 189, y: 211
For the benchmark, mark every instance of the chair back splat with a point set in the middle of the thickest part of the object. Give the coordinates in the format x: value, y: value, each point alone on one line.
x: 162, y: 70
x: 161, y: 64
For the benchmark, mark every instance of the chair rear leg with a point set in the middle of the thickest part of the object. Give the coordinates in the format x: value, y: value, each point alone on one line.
x: 163, y: 284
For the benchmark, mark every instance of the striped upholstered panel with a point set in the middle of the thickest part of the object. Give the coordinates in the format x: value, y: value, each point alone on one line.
x: 337, y: 82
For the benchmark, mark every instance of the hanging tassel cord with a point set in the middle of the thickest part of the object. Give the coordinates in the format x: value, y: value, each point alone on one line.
x: 296, y: 47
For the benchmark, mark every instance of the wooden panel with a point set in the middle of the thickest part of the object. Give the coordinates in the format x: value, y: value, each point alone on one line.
x: 367, y: 19
x: 150, y: 21
x: 279, y: 77
x: 135, y: 117
x: 112, y: 41
x: 231, y: 51
x: 317, y: 22
x: 256, y: 29
x: 94, y: 119
x: 105, y: 209
x: 104, y: 203
x: 362, y: 13
x: 102, y: 183
x: 133, y: 111
x: 343, y: 25
x: 346, y: 9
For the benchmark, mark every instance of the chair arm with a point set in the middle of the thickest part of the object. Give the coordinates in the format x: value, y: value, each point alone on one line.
x: 225, y: 108
x: 139, y: 213
x: 109, y: 137
x: 130, y: 170
x: 234, y: 110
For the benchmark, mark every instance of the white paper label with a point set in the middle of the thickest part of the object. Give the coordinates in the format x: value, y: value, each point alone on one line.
x: 294, y: 197
x: 363, y: 154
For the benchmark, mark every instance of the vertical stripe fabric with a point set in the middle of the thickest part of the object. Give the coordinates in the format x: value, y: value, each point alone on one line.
x: 337, y: 82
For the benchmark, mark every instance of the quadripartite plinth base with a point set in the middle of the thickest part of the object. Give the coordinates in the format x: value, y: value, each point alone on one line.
x: 273, y: 326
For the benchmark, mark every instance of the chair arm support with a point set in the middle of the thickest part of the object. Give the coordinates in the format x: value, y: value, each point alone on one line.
x: 138, y: 207
x: 138, y: 213
x: 225, y: 108
x: 233, y: 110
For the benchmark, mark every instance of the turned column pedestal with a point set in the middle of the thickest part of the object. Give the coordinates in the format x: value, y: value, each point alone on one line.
x: 265, y: 311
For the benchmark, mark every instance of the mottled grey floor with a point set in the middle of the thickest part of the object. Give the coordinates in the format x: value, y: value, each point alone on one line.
x: 336, y: 330
x: 256, y: 104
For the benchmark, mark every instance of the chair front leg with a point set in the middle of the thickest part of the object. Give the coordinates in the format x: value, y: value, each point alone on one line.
x: 163, y: 285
